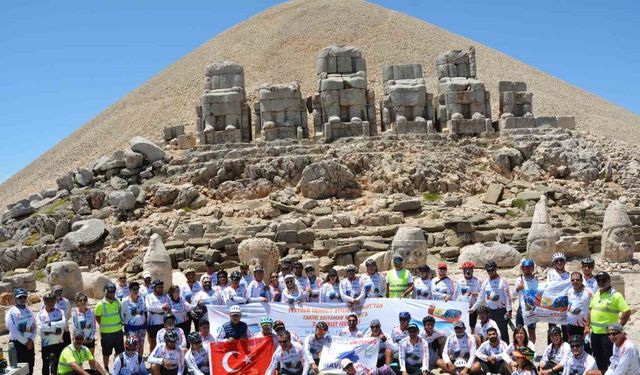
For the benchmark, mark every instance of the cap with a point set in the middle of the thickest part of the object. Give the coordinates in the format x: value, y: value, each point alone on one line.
x: 309, y: 267
x: 78, y: 333
x: 616, y: 327
x: 442, y: 265
x: 602, y: 275
x: 146, y: 274
x: 398, y: 259
x: 235, y: 310
x: 189, y: 270
x: 57, y: 288
x: 374, y: 322
x: 322, y: 325
x: 345, y: 362
x: 459, y: 324
x: 412, y: 326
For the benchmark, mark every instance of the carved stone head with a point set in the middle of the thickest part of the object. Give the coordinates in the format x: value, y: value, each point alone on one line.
x: 541, y: 241
x: 618, y: 243
x: 410, y: 244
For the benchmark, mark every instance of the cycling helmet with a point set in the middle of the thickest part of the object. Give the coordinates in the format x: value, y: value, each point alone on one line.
x: 370, y: 262
x: 576, y: 338
x: 588, y: 262
x: 467, y: 265
x: 558, y: 256
x: 168, y: 316
x: 131, y: 343
x: 266, y: 320
x: 350, y: 267
x: 526, y: 262
x: 109, y: 287
x: 490, y: 265
x: 236, y: 276
x: 235, y: 310
x: 555, y: 330
x: 20, y: 292
x: 404, y: 315
x: 460, y: 363
x: 428, y: 319
x: 278, y: 324
x: 322, y: 325
x: 194, y: 337
x: 157, y: 282
x: 170, y: 336
x: 424, y: 268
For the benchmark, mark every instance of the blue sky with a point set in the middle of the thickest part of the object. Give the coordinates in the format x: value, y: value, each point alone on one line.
x: 63, y: 62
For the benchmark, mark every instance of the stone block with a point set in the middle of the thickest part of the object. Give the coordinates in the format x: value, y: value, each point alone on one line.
x: 186, y: 141
x: 566, y: 122
x: 550, y: 122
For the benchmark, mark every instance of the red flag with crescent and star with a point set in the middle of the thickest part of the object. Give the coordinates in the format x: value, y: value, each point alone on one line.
x: 245, y: 356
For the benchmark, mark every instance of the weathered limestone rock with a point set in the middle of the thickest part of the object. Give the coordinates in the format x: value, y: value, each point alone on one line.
x: 93, y: 283
x: 173, y: 132
x: 343, y: 106
x: 493, y: 194
x: 83, y: 233
x: 223, y: 113
x: 18, y: 210
x: 504, y: 255
x: 383, y: 260
x: 84, y: 177
x: 164, y: 195
x: 17, y: 257
x: 326, y: 179
x: 66, y: 274
x: 66, y: 182
x: 406, y: 105
x: 281, y: 112
x: 463, y: 103
x: 541, y: 241
x: 157, y: 260
x: 409, y: 243
x: 122, y: 200
x: 133, y: 160
x: 618, y: 242
x: 147, y: 148
x: 263, y: 251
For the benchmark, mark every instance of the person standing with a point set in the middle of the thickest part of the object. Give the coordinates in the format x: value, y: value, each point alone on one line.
x: 122, y: 288
x: 191, y: 287
x: 210, y: 271
x: 51, y: 323
x: 578, y: 309
x: 559, y: 273
x: 146, y: 286
x: 497, y: 298
x: 236, y: 293
x: 624, y: 359
x: 374, y: 281
x: 526, y: 282
x: 83, y: 319
x: 468, y: 290
x: 247, y: 278
x: 156, y: 305
x: 180, y: 309
x: 422, y: 284
x: 274, y: 288
x: 352, y: 287
x: 589, y: 279
x: 63, y: 304
x: 315, y: 283
x: 399, y: 280
x: 257, y: 290
x: 134, y: 315
x: 109, y: 316
x: 330, y: 290
x: 442, y: 287
x: 608, y: 306
x: 22, y: 327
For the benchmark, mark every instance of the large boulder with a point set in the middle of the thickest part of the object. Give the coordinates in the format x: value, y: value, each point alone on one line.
x: 157, y: 260
x: 383, y: 261
x: 542, y: 238
x: 326, y: 179
x: 147, y: 148
x: 164, y: 195
x: 17, y: 257
x: 618, y: 243
x: 68, y: 275
x: 84, y: 233
x: 409, y: 243
x: 122, y: 200
x: 18, y: 210
x: 260, y: 250
x: 504, y: 255
x: 94, y: 283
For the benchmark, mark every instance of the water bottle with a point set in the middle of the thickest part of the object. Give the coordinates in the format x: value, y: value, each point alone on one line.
x: 13, y: 355
x: 510, y: 323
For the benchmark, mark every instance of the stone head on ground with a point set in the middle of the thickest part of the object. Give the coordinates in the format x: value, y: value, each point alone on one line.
x: 618, y: 243
x: 410, y: 244
x: 66, y: 274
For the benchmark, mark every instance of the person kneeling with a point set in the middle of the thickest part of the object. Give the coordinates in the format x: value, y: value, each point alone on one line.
x: 130, y: 361
x: 74, y: 355
x: 492, y: 356
x: 167, y: 358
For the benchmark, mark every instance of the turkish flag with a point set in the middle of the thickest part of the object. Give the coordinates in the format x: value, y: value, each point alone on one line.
x: 245, y: 356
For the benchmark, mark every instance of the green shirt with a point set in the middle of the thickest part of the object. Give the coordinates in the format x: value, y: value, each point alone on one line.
x: 71, y: 355
x: 605, y: 310
x: 109, y: 313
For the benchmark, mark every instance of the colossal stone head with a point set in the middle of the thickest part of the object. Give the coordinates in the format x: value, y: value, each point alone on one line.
x: 262, y: 251
x: 157, y: 261
x: 618, y: 243
x: 68, y: 275
x: 541, y: 241
x: 410, y: 244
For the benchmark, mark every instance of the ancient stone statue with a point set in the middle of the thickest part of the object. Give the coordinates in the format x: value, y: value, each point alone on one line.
x: 262, y: 251
x: 406, y: 105
x: 223, y: 114
x: 343, y: 105
x: 281, y: 112
x: 157, y: 261
x: 409, y: 243
x: 66, y: 274
x: 541, y: 241
x: 618, y: 243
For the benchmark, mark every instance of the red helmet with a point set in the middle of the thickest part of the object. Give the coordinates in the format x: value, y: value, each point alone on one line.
x: 466, y: 265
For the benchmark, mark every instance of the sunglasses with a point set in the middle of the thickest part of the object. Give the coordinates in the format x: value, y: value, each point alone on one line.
x: 576, y: 346
x: 559, y: 261
x: 375, y: 327
x: 333, y: 275
x: 587, y: 266
x: 274, y: 276
x: 575, y: 280
x: 442, y: 268
x: 283, y: 342
x: 222, y: 277
x: 352, y: 321
x: 135, y: 289
x: 288, y: 282
x: 80, y: 300
x: 613, y: 333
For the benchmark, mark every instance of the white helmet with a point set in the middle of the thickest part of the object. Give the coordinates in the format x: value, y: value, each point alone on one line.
x: 558, y: 256
x: 235, y: 309
x: 460, y: 363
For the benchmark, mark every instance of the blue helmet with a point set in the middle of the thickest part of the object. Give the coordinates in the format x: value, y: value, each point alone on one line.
x: 20, y: 292
x: 526, y: 262
x: 404, y: 315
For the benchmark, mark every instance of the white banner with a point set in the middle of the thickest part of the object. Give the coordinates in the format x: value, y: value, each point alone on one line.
x: 302, y: 318
x: 548, y: 303
x: 363, y: 352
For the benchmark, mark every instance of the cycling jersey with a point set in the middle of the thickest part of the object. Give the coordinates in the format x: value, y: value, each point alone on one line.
x: 485, y: 350
x: 482, y: 328
x: 554, y: 275
x: 292, y: 295
x: 187, y: 292
x: 579, y: 365
x: 293, y: 361
x: 314, y: 289
x: 313, y: 346
x: 235, y: 296
x: 556, y: 355
x: 181, y: 343
x: 346, y: 332
x: 51, y: 325
x: 153, y: 305
x: 180, y: 309
x: 162, y: 353
x: 398, y: 334
x: 442, y: 288
x: 496, y: 294
x: 468, y: 290
x: 350, y: 290
x: 133, y: 314
x: 624, y: 359
x: 122, y: 291
x: 125, y: 364
x: 21, y: 324
x: 197, y: 362
x: 413, y: 354
x: 578, y: 309
x: 459, y: 347
x: 422, y: 288
x: 85, y: 322
x: 330, y: 293
x: 257, y: 290
x: 375, y: 285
